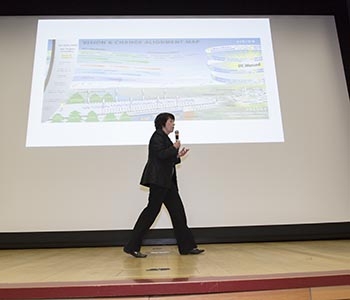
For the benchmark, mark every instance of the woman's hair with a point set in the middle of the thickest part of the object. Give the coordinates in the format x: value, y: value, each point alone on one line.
x: 160, y: 120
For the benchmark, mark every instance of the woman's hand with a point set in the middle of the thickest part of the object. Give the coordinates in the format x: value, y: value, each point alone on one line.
x: 183, y: 152
x: 177, y: 144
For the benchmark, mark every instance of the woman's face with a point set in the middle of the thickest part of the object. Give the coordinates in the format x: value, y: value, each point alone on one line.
x: 169, y: 126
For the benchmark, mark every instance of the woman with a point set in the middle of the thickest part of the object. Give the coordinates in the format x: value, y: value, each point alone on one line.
x: 159, y: 175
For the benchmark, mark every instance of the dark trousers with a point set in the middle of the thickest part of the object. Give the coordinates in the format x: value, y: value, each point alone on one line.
x: 172, y: 201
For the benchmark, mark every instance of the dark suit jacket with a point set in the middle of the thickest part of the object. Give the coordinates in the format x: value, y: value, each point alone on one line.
x: 162, y: 157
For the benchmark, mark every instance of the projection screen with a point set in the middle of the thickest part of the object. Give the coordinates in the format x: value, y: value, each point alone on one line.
x: 301, y: 175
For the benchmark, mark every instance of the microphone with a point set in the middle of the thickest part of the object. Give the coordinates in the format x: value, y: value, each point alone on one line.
x: 176, y: 135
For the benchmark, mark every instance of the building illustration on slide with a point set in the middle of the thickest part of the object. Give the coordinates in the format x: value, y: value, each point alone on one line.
x: 111, y: 80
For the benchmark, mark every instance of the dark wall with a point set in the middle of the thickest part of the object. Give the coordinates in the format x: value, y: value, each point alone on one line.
x: 161, y: 7
x: 240, y: 234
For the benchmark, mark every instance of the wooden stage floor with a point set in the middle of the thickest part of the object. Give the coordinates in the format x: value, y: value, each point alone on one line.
x: 223, y: 268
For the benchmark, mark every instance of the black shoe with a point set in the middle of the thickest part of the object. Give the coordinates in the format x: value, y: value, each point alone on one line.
x: 194, y: 251
x: 136, y: 254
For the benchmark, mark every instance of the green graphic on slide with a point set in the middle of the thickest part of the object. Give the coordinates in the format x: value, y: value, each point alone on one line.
x: 92, y: 117
x: 57, y: 118
x: 75, y: 99
x: 110, y: 117
x: 74, y: 116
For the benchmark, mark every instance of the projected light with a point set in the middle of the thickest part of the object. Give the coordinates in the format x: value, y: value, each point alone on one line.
x: 102, y: 82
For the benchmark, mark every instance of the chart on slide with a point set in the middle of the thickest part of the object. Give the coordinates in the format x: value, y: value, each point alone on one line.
x: 111, y: 80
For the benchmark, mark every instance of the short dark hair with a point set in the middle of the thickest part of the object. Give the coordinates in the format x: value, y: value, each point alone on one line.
x: 160, y: 120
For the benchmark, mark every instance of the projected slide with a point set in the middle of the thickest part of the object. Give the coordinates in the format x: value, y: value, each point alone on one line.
x: 103, y: 85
